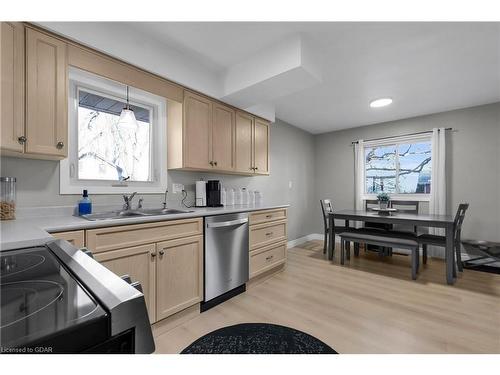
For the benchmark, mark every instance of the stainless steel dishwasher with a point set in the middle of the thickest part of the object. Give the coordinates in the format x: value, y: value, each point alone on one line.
x: 226, y: 257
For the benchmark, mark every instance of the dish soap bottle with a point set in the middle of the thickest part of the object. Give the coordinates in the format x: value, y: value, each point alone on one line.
x: 85, y: 204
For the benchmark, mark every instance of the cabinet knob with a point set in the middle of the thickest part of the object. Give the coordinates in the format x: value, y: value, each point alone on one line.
x: 153, y: 255
x: 215, y: 163
x: 255, y: 168
x: 59, y: 145
x: 211, y: 163
x: 162, y: 252
x: 22, y: 139
x: 269, y: 257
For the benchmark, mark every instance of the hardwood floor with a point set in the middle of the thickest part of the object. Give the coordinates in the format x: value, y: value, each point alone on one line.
x: 370, y: 305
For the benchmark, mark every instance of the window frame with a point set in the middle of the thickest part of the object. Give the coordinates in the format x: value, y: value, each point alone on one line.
x: 68, y: 171
x: 397, y: 140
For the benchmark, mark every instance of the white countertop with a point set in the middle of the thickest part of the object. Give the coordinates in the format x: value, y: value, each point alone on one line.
x: 35, y: 231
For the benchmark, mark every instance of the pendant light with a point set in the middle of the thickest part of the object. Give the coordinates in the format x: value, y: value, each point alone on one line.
x: 127, y: 117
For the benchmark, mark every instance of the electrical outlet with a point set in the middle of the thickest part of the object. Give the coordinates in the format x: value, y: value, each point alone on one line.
x: 177, y: 188
x: 289, y: 184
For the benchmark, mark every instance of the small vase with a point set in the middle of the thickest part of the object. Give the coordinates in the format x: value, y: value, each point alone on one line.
x: 383, y: 205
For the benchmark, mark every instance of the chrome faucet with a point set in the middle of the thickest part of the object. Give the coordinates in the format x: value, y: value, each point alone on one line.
x: 128, y: 200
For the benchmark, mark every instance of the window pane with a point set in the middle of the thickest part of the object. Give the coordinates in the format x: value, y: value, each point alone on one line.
x: 108, y: 150
x: 415, y: 168
x: 380, y: 173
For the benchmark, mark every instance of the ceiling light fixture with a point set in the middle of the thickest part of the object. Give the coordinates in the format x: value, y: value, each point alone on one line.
x: 382, y: 102
x: 127, y: 117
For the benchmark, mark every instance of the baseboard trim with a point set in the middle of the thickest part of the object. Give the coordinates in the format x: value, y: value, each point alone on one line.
x: 301, y: 240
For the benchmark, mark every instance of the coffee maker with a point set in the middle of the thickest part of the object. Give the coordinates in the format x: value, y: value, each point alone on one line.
x: 213, y: 193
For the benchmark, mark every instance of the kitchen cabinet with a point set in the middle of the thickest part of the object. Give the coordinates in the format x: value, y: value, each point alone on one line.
x: 197, y: 131
x: 179, y: 270
x: 75, y: 237
x: 223, y: 133
x: 139, y: 263
x: 46, y: 95
x: 268, y: 241
x: 12, y: 88
x: 33, y: 98
x: 252, y: 144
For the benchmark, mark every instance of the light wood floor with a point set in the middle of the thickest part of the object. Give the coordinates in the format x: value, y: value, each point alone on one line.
x: 370, y: 305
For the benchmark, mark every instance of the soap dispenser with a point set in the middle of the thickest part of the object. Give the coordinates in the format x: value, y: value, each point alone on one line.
x: 85, y: 204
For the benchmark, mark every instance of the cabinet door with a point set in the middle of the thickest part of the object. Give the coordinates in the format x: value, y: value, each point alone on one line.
x: 46, y: 95
x: 223, y: 125
x: 244, y: 143
x: 261, y: 147
x: 197, y: 126
x: 12, y: 89
x: 137, y: 262
x: 75, y: 237
x: 179, y: 271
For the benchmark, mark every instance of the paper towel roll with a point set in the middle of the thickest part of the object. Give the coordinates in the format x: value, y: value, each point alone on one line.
x: 201, y: 193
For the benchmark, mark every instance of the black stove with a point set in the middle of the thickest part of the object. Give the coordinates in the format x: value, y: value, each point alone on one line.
x: 57, y: 299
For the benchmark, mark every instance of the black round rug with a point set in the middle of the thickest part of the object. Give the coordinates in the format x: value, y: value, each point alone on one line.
x: 258, y: 338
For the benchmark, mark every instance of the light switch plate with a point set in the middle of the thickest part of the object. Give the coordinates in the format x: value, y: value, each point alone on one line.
x: 177, y: 188
x: 289, y: 184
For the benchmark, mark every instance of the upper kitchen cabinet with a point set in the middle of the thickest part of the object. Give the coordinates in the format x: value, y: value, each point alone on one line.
x: 252, y: 144
x: 202, y: 135
x: 46, y: 95
x: 12, y: 88
x: 261, y: 147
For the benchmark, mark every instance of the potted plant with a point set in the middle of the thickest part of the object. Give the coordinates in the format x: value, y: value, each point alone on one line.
x: 383, y: 200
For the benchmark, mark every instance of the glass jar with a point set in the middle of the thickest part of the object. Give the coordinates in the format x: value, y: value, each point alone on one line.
x: 7, y: 198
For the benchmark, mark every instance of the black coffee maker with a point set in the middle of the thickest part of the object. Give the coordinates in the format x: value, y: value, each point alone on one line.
x: 213, y: 193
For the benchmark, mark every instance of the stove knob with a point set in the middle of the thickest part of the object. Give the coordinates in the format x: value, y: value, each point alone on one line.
x: 87, y: 251
x: 126, y: 278
x: 137, y: 285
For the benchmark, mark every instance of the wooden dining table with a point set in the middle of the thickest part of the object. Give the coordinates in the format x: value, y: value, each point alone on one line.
x: 420, y: 220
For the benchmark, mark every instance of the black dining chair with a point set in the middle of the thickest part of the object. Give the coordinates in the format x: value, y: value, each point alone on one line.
x: 327, y: 208
x: 406, y: 207
x: 434, y: 240
x: 369, y: 204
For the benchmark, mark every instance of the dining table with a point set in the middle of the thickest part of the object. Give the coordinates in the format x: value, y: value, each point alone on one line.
x: 445, y: 222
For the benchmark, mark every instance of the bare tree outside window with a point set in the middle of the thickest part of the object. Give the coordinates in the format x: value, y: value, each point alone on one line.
x: 403, y: 168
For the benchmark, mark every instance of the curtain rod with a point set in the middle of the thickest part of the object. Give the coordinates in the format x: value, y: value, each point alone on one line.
x: 404, y: 135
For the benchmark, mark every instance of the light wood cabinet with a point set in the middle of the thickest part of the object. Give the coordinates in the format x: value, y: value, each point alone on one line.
x: 75, y: 237
x: 179, y: 270
x: 252, y: 144
x: 46, y: 95
x: 244, y: 143
x: 261, y: 147
x: 139, y: 263
x: 223, y: 133
x: 197, y: 131
x: 12, y: 87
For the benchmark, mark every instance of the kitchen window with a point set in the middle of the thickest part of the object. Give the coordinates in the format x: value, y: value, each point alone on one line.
x: 398, y: 166
x: 106, y: 155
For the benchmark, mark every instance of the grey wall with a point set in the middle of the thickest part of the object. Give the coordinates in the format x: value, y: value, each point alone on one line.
x: 292, y: 159
x: 473, y: 163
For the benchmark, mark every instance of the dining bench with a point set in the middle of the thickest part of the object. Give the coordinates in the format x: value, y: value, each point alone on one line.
x: 382, y: 239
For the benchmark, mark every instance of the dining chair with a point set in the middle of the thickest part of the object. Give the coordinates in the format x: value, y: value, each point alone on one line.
x: 327, y: 208
x: 434, y: 240
x: 406, y: 207
x: 369, y: 204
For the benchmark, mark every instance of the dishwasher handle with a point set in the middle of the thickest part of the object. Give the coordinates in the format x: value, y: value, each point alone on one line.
x: 227, y: 223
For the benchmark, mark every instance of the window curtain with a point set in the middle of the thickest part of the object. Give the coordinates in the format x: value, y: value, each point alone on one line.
x: 437, y: 204
x: 359, y: 175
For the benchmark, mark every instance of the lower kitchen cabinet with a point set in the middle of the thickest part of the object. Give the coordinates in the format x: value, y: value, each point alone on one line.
x: 179, y: 275
x: 74, y: 237
x: 139, y: 263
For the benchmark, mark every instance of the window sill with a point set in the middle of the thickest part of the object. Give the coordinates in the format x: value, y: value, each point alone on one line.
x: 403, y: 197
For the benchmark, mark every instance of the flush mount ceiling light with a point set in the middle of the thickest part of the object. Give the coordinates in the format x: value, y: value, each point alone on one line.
x: 127, y: 117
x: 382, y: 102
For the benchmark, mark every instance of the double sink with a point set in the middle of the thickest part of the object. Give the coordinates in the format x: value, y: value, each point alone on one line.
x: 124, y: 214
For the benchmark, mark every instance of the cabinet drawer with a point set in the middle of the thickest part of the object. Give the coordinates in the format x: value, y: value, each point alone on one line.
x: 265, y: 234
x: 260, y: 217
x: 266, y: 258
x: 104, y: 239
x: 76, y: 237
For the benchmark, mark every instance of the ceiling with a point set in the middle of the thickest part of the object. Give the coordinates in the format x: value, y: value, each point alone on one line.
x: 424, y: 67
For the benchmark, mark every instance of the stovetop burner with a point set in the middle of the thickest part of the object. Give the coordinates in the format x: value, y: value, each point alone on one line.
x: 13, y: 264
x: 23, y: 299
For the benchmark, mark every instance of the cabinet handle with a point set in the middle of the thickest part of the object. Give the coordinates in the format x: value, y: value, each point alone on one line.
x: 162, y: 252
x: 256, y: 168
x: 211, y: 163
x: 269, y: 233
x: 153, y: 255
x: 269, y: 216
x: 59, y: 145
x: 215, y: 163
x: 22, y: 139
x: 270, y: 257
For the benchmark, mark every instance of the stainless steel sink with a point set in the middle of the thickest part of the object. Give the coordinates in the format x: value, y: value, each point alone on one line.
x: 112, y: 215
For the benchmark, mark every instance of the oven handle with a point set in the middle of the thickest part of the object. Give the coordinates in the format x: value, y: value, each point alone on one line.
x: 227, y: 223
